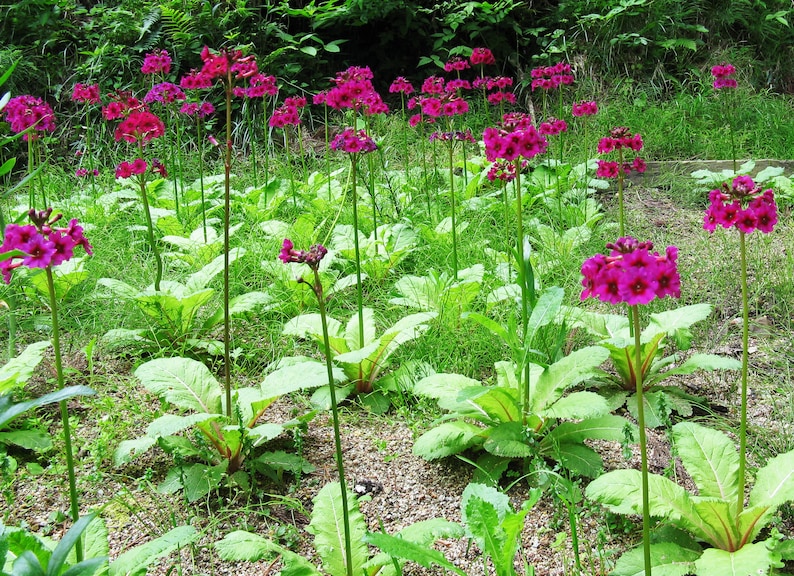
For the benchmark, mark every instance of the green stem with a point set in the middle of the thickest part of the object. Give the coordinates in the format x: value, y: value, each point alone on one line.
x: 289, y: 167
x: 745, y: 362
x: 150, y: 232
x: 452, y: 198
x: 646, y: 513
x: 422, y: 145
x: 67, y: 433
x: 249, y: 121
x: 522, y: 281
x: 227, y: 172
x: 201, y: 176
x: 359, y: 287
x: 31, y: 163
x: 318, y: 291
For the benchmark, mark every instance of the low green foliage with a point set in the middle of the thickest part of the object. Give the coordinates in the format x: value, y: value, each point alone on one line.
x: 711, y: 516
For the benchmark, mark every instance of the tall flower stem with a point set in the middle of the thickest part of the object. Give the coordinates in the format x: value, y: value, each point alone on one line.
x: 318, y: 291
x: 646, y: 513
x: 200, y: 145
x: 150, y: 231
x: 67, y: 434
x: 250, y: 123
x: 425, y: 183
x: 745, y: 345
x: 522, y: 281
x: 359, y: 288
x: 227, y: 173
x: 454, y: 209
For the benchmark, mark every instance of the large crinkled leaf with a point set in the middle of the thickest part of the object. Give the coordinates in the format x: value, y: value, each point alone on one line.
x: 197, y: 480
x: 675, y: 323
x: 241, y: 546
x: 497, y: 404
x: 508, y: 440
x: 200, y: 279
x: 310, y: 326
x: 545, y: 311
x: 27, y: 439
x: 175, y: 312
x: 119, y: 288
x: 570, y: 370
x: 352, y: 335
x: 708, y: 362
x: 165, y: 425
x: 301, y: 375
x: 447, y: 439
x: 710, y: 458
x: 621, y: 492
x: 440, y: 386
x: 750, y: 560
x: 718, y: 518
x: 667, y: 559
x: 327, y: 525
x: 577, y: 405
x: 602, y: 326
x: 240, y: 305
x: 774, y: 483
x: 399, y: 548
x: 184, y: 382
x: 579, y: 459
x: 133, y: 562
x: 19, y: 369
x: 10, y: 410
x: 607, y: 427
x: 753, y: 519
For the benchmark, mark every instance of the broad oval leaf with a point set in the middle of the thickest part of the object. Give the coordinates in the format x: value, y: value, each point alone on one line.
x: 184, y: 382
x: 774, y: 483
x: 447, y: 439
x: 710, y: 458
x: 327, y: 525
x: 241, y: 546
x: 755, y: 559
x: 667, y: 559
x: 135, y: 560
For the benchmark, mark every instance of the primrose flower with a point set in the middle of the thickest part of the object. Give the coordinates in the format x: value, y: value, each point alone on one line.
x: 157, y: 62
x: 29, y: 113
x: 551, y: 77
x: 401, y: 85
x: 312, y: 257
x: 619, y: 139
x: 353, y: 89
x: 195, y: 80
x: 164, y: 93
x: 517, y: 138
x: 456, y: 64
x: 584, y: 108
x: 353, y: 142
x: 42, y: 244
x: 260, y: 85
x: 553, y: 127
x: 127, y: 169
x: 200, y: 109
x: 140, y: 126
x: 631, y: 273
x: 121, y: 104
x: 742, y: 205
x: 88, y: 94
x: 216, y: 65
x: 481, y: 56
x: 723, y: 76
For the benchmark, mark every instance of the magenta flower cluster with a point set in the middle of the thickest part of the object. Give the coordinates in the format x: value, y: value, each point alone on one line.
x: 29, y: 113
x: 619, y: 139
x: 164, y: 93
x: 140, y: 126
x: 200, y: 109
x: 481, y: 56
x: 353, y: 89
x: 86, y: 93
x: 631, y: 273
x: 553, y: 127
x: 312, y: 256
x: 584, y: 108
x: 353, y: 142
x: 742, y: 205
x: 552, y: 77
x: 517, y: 138
x: 401, y: 86
x: 41, y: 244
x: 127, y: 169
x: 723, y: 76
x: 157, y: 62
x: 288, y: 114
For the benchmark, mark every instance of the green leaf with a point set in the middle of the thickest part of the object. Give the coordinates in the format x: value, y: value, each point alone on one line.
x: 443, y: 386
x: 707, y: 362
x: 18, y: 370
x: 242, y: 304
x: 545, y: 311
x: 710, y: 458
x: 774, y: 483
x: 197, y: 480
x: 240, y: 546
x: 566, y: 372
x: 447, y: 439
x: 579, y: 459
x: 577, y: 405
x: 675, y: 323
x: 397, y: 547
x: 133, y: 562
x: 27, y: 439
x: 607, y: 427
x: 310, y: 326
x: 750, y: 559
x: 199, y: 280
x: 59, y: 556
x: 667, y: 559
x: 497, y: 403
x: 9, y: 410
x: 508, y: 441
x: 327, y: 525
x: 299, y: 376
x: 184, y: 382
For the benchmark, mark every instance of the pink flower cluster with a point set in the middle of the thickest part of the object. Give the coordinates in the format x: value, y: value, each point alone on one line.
x: 288, y: 113
x: 456, y: 64
x: 516, y: 138
x: 157, y: 62
x: 553, y: 127
x: 726, y: 207
x: 353, y: 89
x: 164, y: 93
x: 29, y: 113
x: 86, y: 93
x: 195, y: 80
x: 505, y: 171
x: 42, y: 244
x: 259, y: 86
x: 457, y: 135
x: 353, y: 142
x: 584, y: 108
x: 631, y: 273
x: 481, y: 56
x: 401, y: 85
x: 312, y: 256
x: 85, y: 172
x: 140, y: 126
x: 217, y: 64
x: 619, y: 139
x: 552, y: 77
x: 121, y: 103
x: 722, y: 74
x: 127, y: 169
x: 200, y: 109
